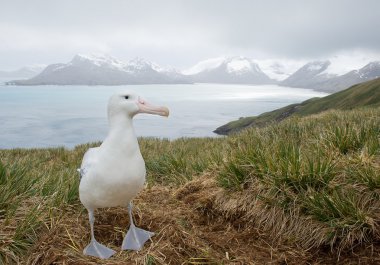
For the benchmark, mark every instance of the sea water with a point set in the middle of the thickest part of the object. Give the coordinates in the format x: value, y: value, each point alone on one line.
x: 50, y: 116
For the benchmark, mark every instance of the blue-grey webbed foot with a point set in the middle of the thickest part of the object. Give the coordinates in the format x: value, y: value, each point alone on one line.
x: 98, y: 250
x: 135, y: 238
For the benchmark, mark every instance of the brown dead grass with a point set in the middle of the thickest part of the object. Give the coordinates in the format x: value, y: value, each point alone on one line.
x: 189, y: 227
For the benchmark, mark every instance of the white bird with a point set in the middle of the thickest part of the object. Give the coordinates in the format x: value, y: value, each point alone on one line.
x: 113, y: 173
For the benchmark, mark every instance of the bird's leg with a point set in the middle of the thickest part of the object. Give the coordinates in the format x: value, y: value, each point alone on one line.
x: 95, y: 248
x: 136, y: 237
x: 91, y: 218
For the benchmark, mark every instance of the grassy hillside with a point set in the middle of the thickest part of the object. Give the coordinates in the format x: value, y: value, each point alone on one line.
x: 304, y: 191
x: 365, y: 94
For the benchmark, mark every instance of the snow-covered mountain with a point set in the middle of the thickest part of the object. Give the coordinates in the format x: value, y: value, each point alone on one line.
x: 322, y: 76
x: 311, y: 74
x: 24, y: 72
x: 230, y: 70
x: 104, y: 70
x: 368, y: 72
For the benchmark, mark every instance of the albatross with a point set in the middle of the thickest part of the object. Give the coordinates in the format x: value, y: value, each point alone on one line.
x: 113, y: 173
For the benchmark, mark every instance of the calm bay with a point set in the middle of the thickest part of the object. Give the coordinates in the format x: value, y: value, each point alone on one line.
x: 51, y: 116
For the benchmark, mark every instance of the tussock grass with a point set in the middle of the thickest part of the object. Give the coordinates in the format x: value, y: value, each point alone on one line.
x: 322, y: 168
x: 310, y: 182
x: 176, y: 162
x: 33, y: 183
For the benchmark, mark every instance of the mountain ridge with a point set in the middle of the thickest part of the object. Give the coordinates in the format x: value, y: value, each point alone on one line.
x: 229, y: 70
x: 102, y: 69
x: 315, y: 75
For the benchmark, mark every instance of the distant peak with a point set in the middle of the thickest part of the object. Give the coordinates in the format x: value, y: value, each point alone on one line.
x: 373, y: 64
x: 140, y: 64
x: 240, y: 64
x: 138, y: 61
x: 212, y: 63
x: 95, y: 57
x: 370, y: 69
x: 203, y: 66
x: 98, y: 60
x: 317, y: 65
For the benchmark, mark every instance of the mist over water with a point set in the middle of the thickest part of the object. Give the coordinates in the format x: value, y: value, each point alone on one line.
x: 50, y: 116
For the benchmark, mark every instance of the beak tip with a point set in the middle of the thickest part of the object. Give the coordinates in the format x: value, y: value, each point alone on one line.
x: 167, y: 112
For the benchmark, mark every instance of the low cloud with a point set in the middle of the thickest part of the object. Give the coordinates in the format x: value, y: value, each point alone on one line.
x: 182, y: 32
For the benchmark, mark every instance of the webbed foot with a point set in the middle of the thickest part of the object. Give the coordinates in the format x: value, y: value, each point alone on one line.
x: 135, y: 238
x: 98, y: 250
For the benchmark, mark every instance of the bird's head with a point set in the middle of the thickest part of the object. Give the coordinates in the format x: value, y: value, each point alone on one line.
x: 130, y: 104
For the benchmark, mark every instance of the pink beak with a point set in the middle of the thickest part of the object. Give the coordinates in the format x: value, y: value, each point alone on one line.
x: 145, y: 107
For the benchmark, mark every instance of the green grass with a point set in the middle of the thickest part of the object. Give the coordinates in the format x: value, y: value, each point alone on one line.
x: 360, y: 95
x: 348, y: 214
x: 176, y: 162
x: 323, y: 168
x: 33, y: 183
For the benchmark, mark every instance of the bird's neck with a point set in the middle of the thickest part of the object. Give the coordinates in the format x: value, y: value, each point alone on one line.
x: 121, y: 135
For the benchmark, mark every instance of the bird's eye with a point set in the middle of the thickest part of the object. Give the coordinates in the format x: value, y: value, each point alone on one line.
x: 126, y: 97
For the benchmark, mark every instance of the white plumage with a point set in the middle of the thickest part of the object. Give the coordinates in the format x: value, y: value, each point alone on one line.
x: 113, y: 173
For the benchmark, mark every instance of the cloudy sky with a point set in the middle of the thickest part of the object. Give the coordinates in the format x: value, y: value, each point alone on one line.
x: 180, y: 33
